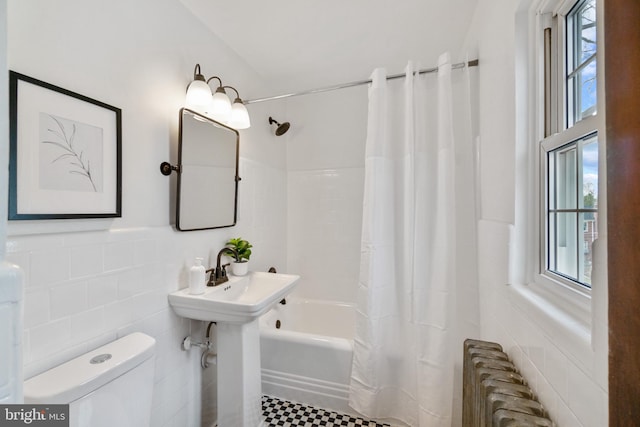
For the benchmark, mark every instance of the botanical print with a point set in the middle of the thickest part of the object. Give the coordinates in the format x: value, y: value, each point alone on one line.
x: 71, y: 155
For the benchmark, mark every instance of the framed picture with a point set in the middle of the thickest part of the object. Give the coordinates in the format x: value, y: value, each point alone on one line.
x: 65, y: 157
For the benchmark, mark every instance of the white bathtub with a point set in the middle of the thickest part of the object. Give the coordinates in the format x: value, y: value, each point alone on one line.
x: 308, y: 359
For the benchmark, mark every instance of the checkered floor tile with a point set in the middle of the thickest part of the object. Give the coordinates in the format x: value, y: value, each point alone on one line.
x: 284, y: 413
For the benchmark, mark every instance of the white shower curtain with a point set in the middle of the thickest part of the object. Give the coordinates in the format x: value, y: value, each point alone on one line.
x: 407, y: 337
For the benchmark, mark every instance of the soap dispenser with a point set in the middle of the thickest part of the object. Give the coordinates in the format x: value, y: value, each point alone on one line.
x: 197, y: 278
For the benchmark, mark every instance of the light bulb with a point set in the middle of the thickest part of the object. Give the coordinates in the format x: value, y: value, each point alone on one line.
x: 220, y: 106
x: 239, y: 115
x: 198, y: 96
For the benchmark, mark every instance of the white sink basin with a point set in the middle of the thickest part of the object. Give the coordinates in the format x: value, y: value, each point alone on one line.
x: 240, y: 300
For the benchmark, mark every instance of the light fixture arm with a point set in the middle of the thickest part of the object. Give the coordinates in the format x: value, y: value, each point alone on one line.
x: 217, y: 78
x: 197, y: 74
x: 236, y: 91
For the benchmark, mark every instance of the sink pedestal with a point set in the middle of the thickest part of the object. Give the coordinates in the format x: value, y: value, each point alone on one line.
x: 239, y: 382
x: 236, y: 306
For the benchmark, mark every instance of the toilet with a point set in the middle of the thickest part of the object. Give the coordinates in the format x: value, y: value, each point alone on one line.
x: 109, y: 386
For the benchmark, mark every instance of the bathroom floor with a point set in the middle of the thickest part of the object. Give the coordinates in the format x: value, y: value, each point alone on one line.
x: 279, y: 412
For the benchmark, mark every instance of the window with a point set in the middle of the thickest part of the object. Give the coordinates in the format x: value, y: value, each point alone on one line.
x: 569, y: 163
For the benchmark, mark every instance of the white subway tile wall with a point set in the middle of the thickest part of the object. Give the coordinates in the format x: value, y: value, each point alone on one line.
x: 547, y: 352
x: 85, y: 289
x: 115, y: 293
x: 324, y: 228
x: 325, y: 184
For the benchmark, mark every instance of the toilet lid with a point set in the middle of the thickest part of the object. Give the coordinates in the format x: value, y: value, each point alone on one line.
x: 78, y: 377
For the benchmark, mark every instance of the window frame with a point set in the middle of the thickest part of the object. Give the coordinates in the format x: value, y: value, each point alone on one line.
x: 550, y: 132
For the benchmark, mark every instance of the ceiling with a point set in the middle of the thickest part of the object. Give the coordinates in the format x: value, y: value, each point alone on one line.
x: 303, y: 44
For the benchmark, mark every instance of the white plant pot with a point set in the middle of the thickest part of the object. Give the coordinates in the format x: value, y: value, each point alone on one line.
x: 240, y: 268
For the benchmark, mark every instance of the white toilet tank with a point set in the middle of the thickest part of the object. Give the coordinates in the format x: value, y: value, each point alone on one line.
x: 109, y: 386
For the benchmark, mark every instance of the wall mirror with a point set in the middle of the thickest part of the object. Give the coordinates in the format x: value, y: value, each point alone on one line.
x: 207, y: 194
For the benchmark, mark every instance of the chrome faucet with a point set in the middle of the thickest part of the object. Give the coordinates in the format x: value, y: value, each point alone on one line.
x: 219, y: 273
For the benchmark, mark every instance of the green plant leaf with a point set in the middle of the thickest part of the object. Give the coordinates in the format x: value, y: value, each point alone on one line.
x: 243, y: 247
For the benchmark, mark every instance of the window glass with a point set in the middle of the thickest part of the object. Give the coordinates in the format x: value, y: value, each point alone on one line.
x: 581, y: 61
x: 572, y: 212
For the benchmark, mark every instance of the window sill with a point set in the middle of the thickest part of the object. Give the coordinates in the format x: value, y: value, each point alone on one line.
x: 565, y: 323
x: 572, y: 298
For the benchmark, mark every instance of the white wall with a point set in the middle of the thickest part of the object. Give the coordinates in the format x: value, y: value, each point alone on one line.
x: 325, y: 181
x: 11, y: 292
x: 89, y: 282
x: 565, y: 366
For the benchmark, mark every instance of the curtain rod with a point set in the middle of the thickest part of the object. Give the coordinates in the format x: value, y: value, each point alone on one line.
x: 471, y: 63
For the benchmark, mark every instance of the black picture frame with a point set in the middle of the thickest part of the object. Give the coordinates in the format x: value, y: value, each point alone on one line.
x: 65, y: 153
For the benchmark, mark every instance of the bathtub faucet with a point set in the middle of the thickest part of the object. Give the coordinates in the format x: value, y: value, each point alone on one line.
x: 219, y: 273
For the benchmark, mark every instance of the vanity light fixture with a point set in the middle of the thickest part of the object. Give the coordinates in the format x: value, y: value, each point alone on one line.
x: 217, y: 105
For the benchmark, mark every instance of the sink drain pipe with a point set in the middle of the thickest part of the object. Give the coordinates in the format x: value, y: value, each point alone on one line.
x: 207, y: 357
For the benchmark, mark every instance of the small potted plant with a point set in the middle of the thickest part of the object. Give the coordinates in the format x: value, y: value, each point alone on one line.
x: 243, y: 249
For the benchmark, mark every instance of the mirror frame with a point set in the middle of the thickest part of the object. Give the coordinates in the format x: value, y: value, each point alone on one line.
x: 179, y: 170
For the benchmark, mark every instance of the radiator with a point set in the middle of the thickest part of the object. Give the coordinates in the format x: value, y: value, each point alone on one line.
x: 494, y: 393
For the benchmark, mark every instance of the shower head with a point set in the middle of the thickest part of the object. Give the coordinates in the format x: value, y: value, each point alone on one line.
x: 282, y: 127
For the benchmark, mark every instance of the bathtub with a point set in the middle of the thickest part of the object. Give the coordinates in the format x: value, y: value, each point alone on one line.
x: 308, y: 358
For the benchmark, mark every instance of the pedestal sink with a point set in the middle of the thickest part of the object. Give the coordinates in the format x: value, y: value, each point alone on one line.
x: 236, y: 306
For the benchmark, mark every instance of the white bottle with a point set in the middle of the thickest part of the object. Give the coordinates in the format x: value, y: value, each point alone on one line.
x: 197, y: 278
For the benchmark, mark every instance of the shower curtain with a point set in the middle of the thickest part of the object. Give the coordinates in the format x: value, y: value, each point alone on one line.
x: 407, y: 335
